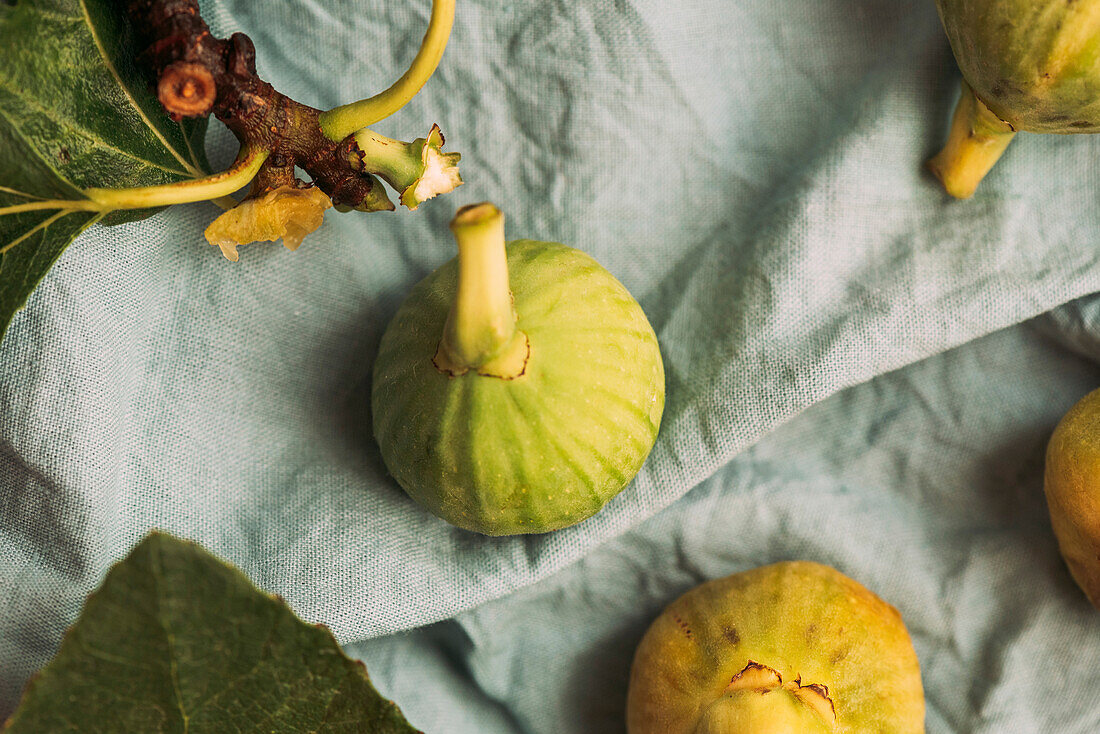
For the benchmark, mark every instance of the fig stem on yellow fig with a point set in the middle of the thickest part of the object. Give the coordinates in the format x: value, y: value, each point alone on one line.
x: 976, y: 141
x: 480, y: 333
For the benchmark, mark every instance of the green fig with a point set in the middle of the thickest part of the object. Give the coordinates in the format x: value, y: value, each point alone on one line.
x: 1072, y: 486
x: 793, y: 647
x: 1031, y: 65
x: 519, y: 387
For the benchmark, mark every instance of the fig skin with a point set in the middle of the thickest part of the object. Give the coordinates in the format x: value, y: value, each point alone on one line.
x: 774, y: 712
x: 809, y: 624
x: 1072, y: 486
x: 529, y: 452
x: 1030, y: 65
x: 1034, y: 63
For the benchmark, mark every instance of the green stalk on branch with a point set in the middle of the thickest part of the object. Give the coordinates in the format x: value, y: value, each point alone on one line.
x: 418, y: 170
x: 342, y: 121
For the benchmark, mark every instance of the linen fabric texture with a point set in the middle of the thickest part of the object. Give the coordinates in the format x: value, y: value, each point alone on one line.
x: 860, y: 371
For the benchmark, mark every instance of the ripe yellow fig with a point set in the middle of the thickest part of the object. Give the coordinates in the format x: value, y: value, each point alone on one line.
x: 791, y: 648
x: 1072, y: 484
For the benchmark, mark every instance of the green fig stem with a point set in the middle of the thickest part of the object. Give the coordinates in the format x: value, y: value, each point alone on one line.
x: 342, y: 121
x: 480, y: 333
x: 243, y: 170
x: 214, y: 187
x: 419, y: 170
x: 976, y: 141
x: 391, y: 159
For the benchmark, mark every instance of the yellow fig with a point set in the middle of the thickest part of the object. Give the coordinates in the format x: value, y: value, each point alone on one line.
x: 793, y: 647
x: 1072, y: 485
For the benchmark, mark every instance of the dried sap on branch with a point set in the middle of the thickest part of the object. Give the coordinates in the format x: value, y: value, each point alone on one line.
x: 1072, y: 485
x: 791, y: 648
x: 1030, y: 65
x: 288, y: 213
x: 519, y: 387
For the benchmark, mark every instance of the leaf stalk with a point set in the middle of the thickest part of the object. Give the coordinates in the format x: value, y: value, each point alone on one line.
x: 212, y: 187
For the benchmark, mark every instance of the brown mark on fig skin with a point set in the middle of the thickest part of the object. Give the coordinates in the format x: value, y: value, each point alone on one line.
x: 816, y: 689
x: 683, y: 625
x: 756, y: 676
x: 997, y: 90
x: 732, y: 636
x: 764, y: 679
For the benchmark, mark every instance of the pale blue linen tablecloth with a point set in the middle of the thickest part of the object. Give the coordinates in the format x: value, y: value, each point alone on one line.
x: 860, y: 371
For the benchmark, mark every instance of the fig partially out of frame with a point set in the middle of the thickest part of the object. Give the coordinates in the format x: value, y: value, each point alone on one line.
x: 1027, y: 65
x: 1072, y: 486
x: 795, y: 647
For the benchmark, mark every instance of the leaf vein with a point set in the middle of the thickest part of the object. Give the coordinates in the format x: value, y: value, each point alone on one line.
x: 154, y: 558
x: 44, y: 224
x: 243, y: 677
x: 33, y: 148
x: 190, y: 149
x: 24, y: 194
x: 46, y: 112
x: 328, y: 706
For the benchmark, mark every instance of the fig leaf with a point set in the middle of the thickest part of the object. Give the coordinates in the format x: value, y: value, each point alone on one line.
x: 175, y: 640
x: 75, y: 112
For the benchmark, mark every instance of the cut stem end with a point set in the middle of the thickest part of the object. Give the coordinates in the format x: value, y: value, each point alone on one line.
x: 419, y: 170
x: 976, y: 142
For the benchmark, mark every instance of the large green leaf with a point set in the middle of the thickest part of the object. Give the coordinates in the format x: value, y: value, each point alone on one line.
x: 175, y: 640
x: 75, y: 112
